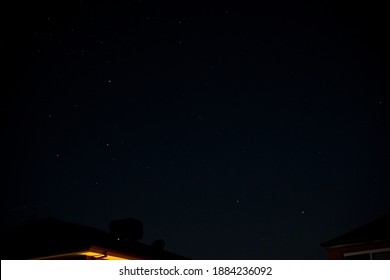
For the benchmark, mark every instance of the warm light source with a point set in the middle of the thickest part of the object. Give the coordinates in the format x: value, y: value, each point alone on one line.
x: 93, y: 253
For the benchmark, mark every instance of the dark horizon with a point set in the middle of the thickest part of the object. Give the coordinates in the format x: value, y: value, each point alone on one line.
x: 233, y: 130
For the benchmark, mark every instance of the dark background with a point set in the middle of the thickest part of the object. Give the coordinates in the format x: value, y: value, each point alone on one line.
x: 233, y: 130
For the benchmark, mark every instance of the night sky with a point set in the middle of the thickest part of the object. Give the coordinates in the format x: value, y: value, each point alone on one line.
x: 232, y: 129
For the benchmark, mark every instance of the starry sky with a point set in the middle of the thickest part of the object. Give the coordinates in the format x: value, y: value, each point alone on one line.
x: 233, y: 130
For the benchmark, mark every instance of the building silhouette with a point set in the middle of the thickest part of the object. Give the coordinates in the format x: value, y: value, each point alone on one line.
x: 368, y: 242
x: 56, y: 239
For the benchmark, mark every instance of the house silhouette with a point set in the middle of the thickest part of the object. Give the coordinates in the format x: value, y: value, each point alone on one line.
x: 56, y: 239
x: 370, y: 241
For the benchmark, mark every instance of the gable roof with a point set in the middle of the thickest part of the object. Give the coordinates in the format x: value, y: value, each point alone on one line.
x: 375, y: 231
x: 53, y: 237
